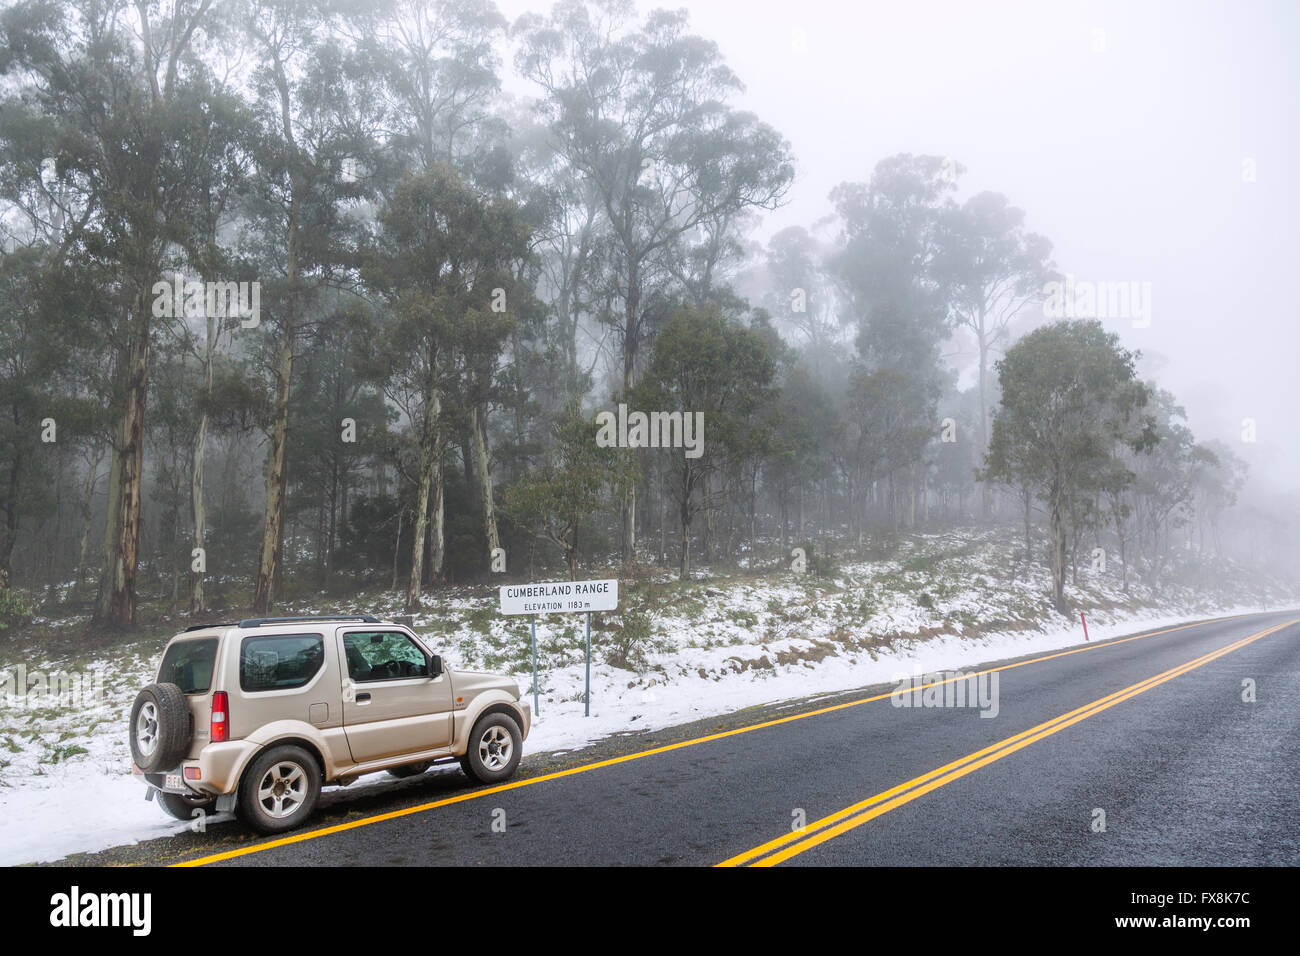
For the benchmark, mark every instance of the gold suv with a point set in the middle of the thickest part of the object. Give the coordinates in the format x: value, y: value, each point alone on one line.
x: 255, y: 717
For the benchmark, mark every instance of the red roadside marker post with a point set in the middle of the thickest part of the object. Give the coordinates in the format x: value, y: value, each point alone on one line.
x: 1085, y: 625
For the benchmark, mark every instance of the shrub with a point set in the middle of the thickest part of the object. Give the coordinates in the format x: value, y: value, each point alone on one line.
x: 626, y: 646
x: 820, y: 565
x: 16, y: 609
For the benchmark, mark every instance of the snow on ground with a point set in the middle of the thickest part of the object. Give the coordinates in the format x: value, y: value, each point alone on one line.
x: 706, y: 648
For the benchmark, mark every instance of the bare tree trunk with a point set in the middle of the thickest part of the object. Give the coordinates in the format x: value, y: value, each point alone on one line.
x: 421, y: 529
x: 785, y: 520
x: 397, y: 544
x: 117, y: 597
x: 198, y: 600
x: 429, y: 496
x: 269, y: 572
x: 986, y: 490
x: 112, y: 520
x: 1058, y: 552
x: 629, y: 523
x: 479, y: 441
x: 571, y: 552
x: 630, y: 334
x: 753, y: 510
x: 684, y: 567
x: 911, y: 500
x: 663, y: 516
x: 87, y: 502
x: 685, y: 515
x: 331, y: 531
x: 11, y: 522
x: 437, y: 519
x: 707, y: 545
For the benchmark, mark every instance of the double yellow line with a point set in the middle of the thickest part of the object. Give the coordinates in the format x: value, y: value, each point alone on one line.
x: 304, y: 836
x: 827, y: 828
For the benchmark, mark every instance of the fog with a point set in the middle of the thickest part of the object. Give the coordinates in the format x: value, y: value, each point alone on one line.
x: 1126, y: 131
x: 636, y: 233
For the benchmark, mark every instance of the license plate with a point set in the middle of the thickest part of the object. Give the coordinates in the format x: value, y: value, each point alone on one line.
x: 173, y: 781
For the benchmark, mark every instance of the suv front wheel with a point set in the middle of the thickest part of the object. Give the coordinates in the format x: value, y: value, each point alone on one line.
x: 279, y: 790
x: 495, y: 746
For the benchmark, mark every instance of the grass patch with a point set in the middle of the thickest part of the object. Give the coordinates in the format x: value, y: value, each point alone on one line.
x: 60, y: 754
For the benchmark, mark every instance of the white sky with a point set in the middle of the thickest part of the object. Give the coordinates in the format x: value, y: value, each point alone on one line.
x: 1130, y: 160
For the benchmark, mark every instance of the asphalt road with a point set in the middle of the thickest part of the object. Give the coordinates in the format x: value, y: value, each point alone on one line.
x: 1136, y: 751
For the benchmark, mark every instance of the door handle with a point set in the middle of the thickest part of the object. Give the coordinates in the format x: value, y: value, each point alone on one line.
x: 363, y: 698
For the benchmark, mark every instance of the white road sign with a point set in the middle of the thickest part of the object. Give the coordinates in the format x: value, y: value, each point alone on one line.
x: 561, y: 597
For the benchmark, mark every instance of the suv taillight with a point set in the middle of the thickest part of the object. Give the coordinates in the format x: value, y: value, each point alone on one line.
x: 220, y: 717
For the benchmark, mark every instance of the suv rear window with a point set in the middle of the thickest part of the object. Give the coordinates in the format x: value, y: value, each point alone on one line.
x: 188, y: 665
x: 280, y: 661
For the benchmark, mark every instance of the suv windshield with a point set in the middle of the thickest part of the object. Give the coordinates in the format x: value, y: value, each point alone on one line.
x: 188, y: 665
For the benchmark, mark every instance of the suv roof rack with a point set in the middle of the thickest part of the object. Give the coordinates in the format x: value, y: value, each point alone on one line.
x: 204, y: 627
x: 259, y: 621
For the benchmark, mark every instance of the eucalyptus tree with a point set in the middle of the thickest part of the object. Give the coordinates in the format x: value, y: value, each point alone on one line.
x: 1217, y: 484
x: 116, y: 87
x: 445, y: 249
x: 1070, y: 399
x: 891, y: 238
x: 800, y: 294
x: 1164, y: 479
x: 891, y: 412
x: 42, y: 408
x: 438, y: 67
x: 885, y: 267
x: 223, y: 138
x: 439, y: 72
x: 572, y: 243
x: 993, y: 270
x: 340, y: 425
x: 640, y: 112
x: 309, y: 94
x: 578, y: 478
x: 721, y: 374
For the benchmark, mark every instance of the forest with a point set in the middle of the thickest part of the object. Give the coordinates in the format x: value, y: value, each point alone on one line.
x: 304, y: 297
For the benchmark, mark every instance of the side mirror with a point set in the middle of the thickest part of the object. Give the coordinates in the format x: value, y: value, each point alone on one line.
x: 435, y: 666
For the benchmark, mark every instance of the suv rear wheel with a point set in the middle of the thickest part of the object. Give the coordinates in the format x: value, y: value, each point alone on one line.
x: 495, y: 746
x: 279, y: 789
x: 182, y: 807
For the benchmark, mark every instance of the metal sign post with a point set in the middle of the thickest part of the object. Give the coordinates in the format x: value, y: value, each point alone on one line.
x: 562, y: 597
x: 532, y: 627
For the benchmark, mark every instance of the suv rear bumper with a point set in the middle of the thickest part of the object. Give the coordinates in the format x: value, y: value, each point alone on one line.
x: 218, y: 767
x: 171, y: 781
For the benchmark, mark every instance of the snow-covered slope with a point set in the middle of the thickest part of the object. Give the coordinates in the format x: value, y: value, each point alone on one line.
x: 673, y: 653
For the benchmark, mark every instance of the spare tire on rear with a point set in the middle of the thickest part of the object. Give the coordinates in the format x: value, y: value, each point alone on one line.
x: 160, y: 728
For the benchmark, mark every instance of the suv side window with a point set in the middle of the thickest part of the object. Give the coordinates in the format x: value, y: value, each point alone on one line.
x: 280, y: 661
x: 383, y: 655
